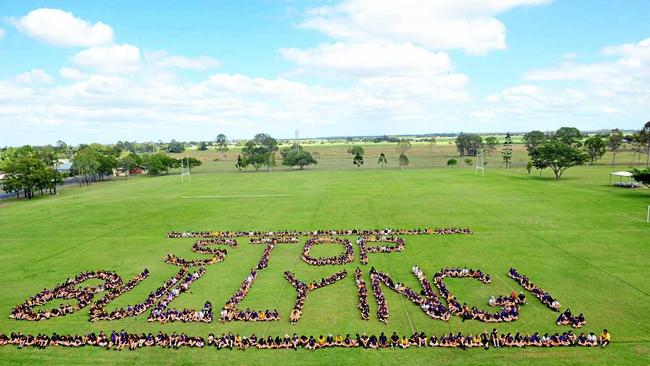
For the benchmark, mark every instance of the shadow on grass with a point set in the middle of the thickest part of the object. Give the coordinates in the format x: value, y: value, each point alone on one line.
x: 546, y: 178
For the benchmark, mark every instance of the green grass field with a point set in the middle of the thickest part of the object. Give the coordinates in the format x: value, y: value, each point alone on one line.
x: 583, y: 241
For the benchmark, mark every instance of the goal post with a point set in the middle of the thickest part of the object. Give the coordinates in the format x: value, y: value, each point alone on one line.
x: 185, y: 169
x: 480, y: 165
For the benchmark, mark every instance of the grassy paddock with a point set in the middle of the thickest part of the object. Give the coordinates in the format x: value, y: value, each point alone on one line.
x: 580, y: 239
x: 421, y: 155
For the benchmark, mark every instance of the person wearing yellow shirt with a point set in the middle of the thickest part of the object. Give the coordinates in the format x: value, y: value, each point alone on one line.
x: 605, y: 338
x: 477, y: 340
x: 339, y: 340
x: 404, y: 342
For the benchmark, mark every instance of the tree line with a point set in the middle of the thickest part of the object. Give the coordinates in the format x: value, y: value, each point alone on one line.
x: 561, y: 149
x: 31, y: 169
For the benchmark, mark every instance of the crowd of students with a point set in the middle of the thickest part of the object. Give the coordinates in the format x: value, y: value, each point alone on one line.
x: 542, y: 295
x: 303, y: 289
x: 132, y: 341
x: 428, y: 302
x: 97, y: 311
x: 182, y: 262
x: 382, y: 304
x: 566, y: 318
x: 331, y: 232
x: 274, y: 240
x: 230, y: 312
x: 519, y: 299
x: 66, y: 291
x: 266, y: 255
x: 509, y: 312
x: 346, y: 257
x: 364, y: 249
x: 163, y: 314
x: 202, y: 246
x: 431, y: 304
x: 363, y: 306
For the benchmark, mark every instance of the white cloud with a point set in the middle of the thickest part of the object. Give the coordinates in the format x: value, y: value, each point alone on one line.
x: 61, y: 28
x: 469, y: 25
x: 71, y: 73
x: 164, y: 60
x: 369, y: 58
x: 116, y: 59
x: 2, y: 33
x: 612, y: 92
x: 627, y: 76
x: 398, y: 71
x: 35, y: 76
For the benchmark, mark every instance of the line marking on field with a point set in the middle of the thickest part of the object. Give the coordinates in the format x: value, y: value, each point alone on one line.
x: 238, y: 196
x: 566, y: 252
x: 277, y: 300
x: 401, y: 297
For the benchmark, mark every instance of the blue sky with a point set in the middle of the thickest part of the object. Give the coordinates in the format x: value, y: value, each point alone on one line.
x: 87, y: 71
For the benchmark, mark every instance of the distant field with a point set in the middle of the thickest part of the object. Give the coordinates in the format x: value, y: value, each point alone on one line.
x: 580, y: 239
x: 421, y: 155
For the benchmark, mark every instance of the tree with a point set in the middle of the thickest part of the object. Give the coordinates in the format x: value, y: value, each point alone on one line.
x: 129, y: 163
x: 468, y: 144
x: 222, y: 143
x: 269, y: 146
x: 159, y: 163
x: 299, y: 157
x: 382, y: 160
x: 253, y: 154
x: 64, y: 149
x: 285, y: 151
x: 403, y: 146
x: 432, y: 142
x: 533, y: 139
x: 529, y: 166
x: 644, y: 139
x: 637, y: 145
x: 241, y: 164
x: 107, y: 163
x: 358, y: 160
x: 452, y: 162
x: 568, y: 136
x: 260, y: 151
x: 85, y: 163
x: 595, y: 146
x: 506, y: 154
x: 175, y: 147
x: 491, y: 143
x: 357, y: 155
x: 26, y: 171
x: 614, y: 142
x: 356, y: 150
x: 558, y: 156
x: 203, y: 146
x: 190, y: 162
x: 642, y: 176
x: 403, y: 161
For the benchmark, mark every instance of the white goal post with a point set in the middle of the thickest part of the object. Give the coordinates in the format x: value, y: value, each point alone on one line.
x: 185, y: 169
x: 480, y: 165
x: 648, y: 217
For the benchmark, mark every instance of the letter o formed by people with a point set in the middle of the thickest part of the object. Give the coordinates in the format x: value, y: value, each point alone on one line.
x: 346, y: 257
